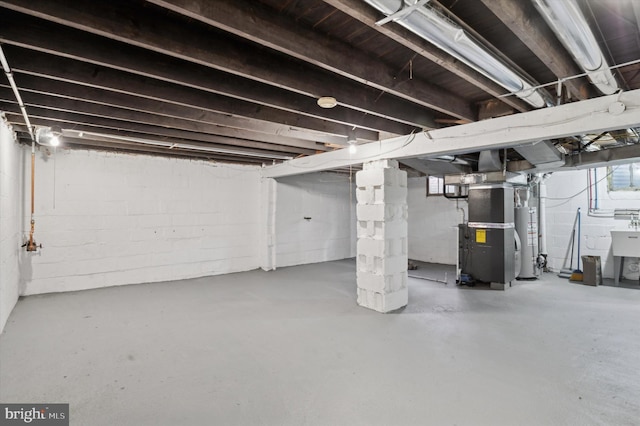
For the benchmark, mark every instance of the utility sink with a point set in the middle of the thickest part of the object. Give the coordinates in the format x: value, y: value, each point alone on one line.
x: 625, y: 242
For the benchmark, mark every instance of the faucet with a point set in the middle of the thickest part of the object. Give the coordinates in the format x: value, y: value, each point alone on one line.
x: 635, y: 221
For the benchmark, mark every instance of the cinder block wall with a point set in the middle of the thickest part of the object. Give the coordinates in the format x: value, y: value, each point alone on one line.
x: 432, y: 224
x: 109, y: 219
x: 329, y: 234
x: 11, y: 165
x: 565, y: 193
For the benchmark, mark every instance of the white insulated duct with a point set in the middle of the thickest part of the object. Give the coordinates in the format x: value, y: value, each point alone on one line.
x: 567, y: 21
x: 436, y: 28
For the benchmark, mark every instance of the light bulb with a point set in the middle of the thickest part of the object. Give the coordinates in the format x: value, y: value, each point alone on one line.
x: 352, y: 148
x: 54, y: 141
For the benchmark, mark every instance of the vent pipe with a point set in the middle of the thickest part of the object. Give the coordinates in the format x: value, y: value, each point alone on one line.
x: 433, y: 26
x: 567, y: 21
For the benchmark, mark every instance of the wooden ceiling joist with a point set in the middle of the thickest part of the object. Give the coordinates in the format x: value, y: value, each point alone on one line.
x: 182, y: 41
x: 248, y: 20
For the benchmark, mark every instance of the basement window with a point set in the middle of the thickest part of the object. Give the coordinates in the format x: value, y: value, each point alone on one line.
x: 435, y: 186
x: 625, y: 177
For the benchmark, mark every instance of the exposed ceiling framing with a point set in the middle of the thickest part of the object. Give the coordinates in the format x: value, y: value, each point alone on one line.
x: 238, y: 80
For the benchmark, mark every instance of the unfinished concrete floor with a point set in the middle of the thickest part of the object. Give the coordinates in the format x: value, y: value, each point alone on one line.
x: 291, y: 347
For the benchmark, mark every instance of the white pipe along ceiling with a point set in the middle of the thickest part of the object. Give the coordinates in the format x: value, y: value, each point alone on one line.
x: 569, y: 24
x: 436, y: 28
x: 566, y: 20
x: 414, y: 65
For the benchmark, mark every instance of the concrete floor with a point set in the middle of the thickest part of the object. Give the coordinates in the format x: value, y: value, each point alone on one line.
x: 291, y: 347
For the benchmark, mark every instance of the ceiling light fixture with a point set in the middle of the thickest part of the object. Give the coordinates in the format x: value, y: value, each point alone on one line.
x: 327, y: 102
x: 352, y: 141
x: 56, y: 133
x: 433, y: 26
x: 48, y: 136
x: 352, y: 147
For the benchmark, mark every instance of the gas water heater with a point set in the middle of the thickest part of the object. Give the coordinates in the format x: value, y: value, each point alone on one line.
x: 526, y: 223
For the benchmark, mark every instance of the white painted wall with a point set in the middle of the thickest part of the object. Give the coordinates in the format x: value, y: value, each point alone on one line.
x: 562, y: 203
x: 11, y: 166
x: 432, y: 221
x: 109, y: 219
x: 329, y: 200
x: 432, y: 224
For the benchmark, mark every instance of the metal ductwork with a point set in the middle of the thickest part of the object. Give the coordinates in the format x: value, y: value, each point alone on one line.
x: 489, y: 161
x: 567, y: 21
x: 542, y: 154
x: 433, y: 26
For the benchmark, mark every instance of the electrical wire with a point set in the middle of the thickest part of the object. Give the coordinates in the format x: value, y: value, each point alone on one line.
x: 589, y: 185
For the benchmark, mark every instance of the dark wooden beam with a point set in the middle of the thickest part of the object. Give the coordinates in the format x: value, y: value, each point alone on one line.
x: 401, y: 115
x: 159, y: 109
x: 106, y: 134
x: 131, y: 148
x: 248, y: 19
x: 526, y: 23
x: 102, y: 77
x: 366, y: 14
x: 184, y: 41
x: 101, y: 139
x: 53, y: 103
x: 143, y: 131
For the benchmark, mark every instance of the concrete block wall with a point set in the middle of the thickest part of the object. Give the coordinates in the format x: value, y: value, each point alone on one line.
x: 432, y: 224
x: 382, y: 236
x: 328, y: 200
x: 11, y: 166
x: 109, y: 219
x: 268, y: 195
x: 565, y: 193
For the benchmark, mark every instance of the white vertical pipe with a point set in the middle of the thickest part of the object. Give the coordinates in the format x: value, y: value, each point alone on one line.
x: 542, y: 214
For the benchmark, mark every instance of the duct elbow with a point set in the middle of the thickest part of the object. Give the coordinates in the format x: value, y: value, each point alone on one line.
x: 604, y: 81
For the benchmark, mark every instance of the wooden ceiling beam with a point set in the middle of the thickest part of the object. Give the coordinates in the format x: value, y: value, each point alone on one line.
x: 53, y: 103
x: 393, y: 115
x: 188, y: 42
x: 141, y: 149
x: 588, y: 116
x: 364, y: 13
x: 88, y: 74
x: 249, y: 20
x: 125, y: 128
x: 211, y: 149
x: 526, y: 23
x: 71, y: 91
x: 105, y: 134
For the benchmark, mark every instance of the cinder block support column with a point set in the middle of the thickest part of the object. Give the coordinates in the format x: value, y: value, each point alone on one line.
x: 382, y: 236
